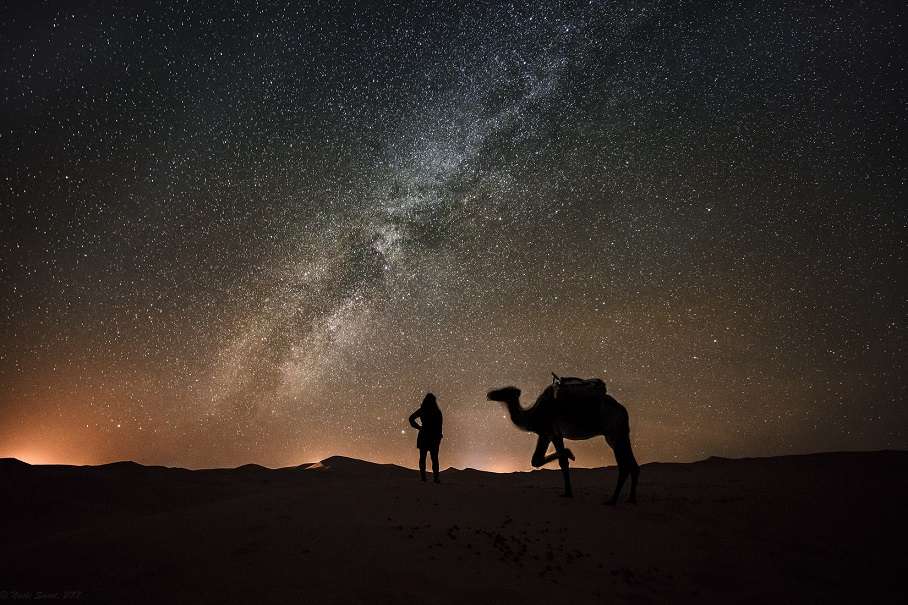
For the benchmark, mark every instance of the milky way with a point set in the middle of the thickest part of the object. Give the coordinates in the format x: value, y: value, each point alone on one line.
x: 240, y: 235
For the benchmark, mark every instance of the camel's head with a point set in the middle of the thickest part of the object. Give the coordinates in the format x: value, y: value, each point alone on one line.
x: 505, y: 394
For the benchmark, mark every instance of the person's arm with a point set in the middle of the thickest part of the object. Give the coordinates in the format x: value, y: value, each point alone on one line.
x: 413, y: 418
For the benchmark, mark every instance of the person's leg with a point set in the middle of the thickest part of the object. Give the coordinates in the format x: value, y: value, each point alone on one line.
x: 422, y: 464
x: 434, y: 453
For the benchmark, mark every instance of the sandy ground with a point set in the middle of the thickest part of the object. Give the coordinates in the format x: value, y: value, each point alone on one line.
x: 819, y: 528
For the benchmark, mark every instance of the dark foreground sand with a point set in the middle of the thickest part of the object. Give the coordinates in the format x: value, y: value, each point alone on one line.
x: 802, y: 529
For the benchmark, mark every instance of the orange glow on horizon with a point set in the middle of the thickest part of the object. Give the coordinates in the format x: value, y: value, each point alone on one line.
x: 38, y: 455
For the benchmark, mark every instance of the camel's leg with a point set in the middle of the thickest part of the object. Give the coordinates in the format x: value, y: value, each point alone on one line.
x: 627, y: 465
x: 541, y: 460
x: 422, y: 464
x: 564, y: 456
x: 539, y: 457
x: 564, y: 453
x: 622, y: 477
x: 634, y: 469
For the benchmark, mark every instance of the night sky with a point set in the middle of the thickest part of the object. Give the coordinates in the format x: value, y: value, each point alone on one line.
x: 238, y: 234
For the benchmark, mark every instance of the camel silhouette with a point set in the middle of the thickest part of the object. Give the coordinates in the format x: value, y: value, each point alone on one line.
x: 571, y: 408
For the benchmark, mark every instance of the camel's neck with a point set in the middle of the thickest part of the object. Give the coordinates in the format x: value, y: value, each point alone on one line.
x: 518, y: 415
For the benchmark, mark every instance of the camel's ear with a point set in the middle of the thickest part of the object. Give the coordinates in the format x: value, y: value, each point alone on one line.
x: 555, y: 377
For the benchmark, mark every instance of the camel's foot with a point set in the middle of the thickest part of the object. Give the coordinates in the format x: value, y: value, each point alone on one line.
x: 436, y: 480
x: 567, y: 495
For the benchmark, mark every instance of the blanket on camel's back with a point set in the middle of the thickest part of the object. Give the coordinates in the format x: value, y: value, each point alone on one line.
x: 571, y: 387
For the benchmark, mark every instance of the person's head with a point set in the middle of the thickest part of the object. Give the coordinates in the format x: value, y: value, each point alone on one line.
x: 429, y: 402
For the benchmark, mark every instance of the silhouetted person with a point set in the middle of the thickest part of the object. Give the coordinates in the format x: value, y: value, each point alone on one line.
x: 429, y: 433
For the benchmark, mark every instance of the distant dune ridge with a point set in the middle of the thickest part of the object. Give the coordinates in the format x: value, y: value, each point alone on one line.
x: 812, y: 528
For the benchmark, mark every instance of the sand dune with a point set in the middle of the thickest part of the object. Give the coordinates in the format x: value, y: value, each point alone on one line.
x: 817, y: 528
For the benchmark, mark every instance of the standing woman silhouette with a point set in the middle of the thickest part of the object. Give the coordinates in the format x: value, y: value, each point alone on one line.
x: 429, y: 437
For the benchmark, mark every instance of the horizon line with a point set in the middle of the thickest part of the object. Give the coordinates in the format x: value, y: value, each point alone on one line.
x: 307, y: 465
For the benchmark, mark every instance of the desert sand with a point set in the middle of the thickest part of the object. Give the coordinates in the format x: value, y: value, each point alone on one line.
x: 817, y: 528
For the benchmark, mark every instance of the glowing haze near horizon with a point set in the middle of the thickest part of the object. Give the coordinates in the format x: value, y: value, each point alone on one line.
x: 239, y: 235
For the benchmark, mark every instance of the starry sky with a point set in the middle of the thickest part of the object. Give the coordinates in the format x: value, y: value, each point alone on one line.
x: 256, y: 232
